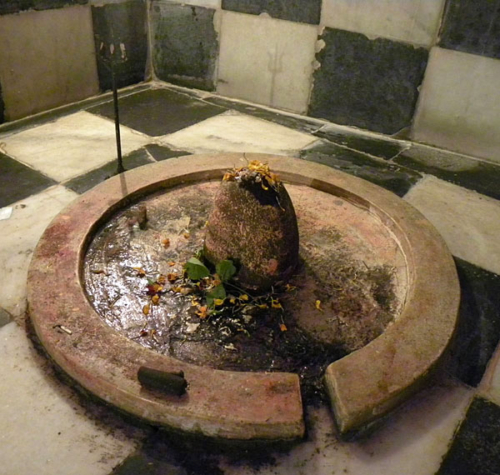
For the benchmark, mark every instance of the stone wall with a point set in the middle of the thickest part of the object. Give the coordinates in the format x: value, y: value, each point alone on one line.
x: 428, y: 69
x: 54, y: 52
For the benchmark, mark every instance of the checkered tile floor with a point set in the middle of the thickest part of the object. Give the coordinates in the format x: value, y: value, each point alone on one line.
x: 47, y: 161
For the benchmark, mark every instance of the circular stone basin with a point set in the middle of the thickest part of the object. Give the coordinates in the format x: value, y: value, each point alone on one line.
x: 344, y: 223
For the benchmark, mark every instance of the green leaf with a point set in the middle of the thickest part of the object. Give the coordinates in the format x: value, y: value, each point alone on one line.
x: 218, y: 292
x: 195, y: 269
x: 225, y: 270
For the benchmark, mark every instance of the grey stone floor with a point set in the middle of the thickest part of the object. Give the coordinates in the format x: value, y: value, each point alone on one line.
x: 48, y: 160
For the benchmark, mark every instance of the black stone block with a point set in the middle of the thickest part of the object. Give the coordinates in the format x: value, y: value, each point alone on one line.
x: 389, y: 176
x: 472, y: 26
x: 293, y: 10
x: 370, y: 84
x: 16, y: 6
x: 123, y: 27
x: 478, y: 331
x: 19, y: 181
x: 159, y: 111
x: 185, y: 46
x: 476, y: 447
x: 161, y: 152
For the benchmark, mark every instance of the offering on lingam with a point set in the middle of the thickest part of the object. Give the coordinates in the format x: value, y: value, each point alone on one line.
x: 253, y: 223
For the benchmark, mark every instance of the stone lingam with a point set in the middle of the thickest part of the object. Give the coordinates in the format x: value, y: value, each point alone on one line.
x: 255, y: 325
x: 253, y: 223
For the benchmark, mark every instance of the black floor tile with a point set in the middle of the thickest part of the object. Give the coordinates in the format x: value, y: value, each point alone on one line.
x: 476, y: 447
x: 391, y: 177
x: 296, y: 123
x: 478, y: 331
x: 17, y: 181
x: 382, y: 148
x: 473, y: 174
x: 159, y: 111
x: 372, y: 84
x: 85, y: 182
x: 159, y: 152
x: 291, y: 10
x: 184, y: 44
x: 123, y: 25
x: 472, y: 26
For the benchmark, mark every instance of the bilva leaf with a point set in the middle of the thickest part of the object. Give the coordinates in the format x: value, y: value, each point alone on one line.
x: 195, y: 269
x: 225, y: 270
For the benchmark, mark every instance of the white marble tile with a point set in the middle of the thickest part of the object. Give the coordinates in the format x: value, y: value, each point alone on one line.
x: 19, y: 236
x: 468, y: 221
x: 413, y: 21
x: 459, y: 104
x: 412, y: 441
x: 44, y: 429
x: 72, y: 145
x: 47, y: 59
x: 234, y: 132
x: 259, y: 60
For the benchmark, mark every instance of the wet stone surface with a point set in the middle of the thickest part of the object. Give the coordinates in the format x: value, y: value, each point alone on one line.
x: 342, y: 296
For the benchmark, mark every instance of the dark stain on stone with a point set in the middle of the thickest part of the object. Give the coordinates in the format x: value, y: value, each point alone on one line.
x: 159, y: 111
x: 472, y: 27
x: 19, y: 181
x: 478, y: 331
x: 395, y: 178
x: 185, y: 45
x: 123, y: 25
x: 370, y: 84
x: 291, y: 10
x: 476, y: 447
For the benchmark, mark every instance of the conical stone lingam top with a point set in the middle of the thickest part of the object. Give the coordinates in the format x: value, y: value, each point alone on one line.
x: 253, y: 223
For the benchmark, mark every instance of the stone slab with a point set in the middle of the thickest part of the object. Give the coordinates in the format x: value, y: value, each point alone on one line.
x: 123, y: 25
x: 459, y: 105
x: 20, y: 234
x: 472, y: 27
x: 404, y: 20
x: 387, y: 175
x: 471, y: 173
x: 35, y: 45
x: 44, y: 429
x: 184, y: 44
x: 19, y: 181
x: 71, y: 145
x: 234, y: 132
x: 474, y: 450
x: 351, y: 88
x: 259, y: 60
x: 159, y: 111
x: 291, y: 10
x: 468, y: 221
